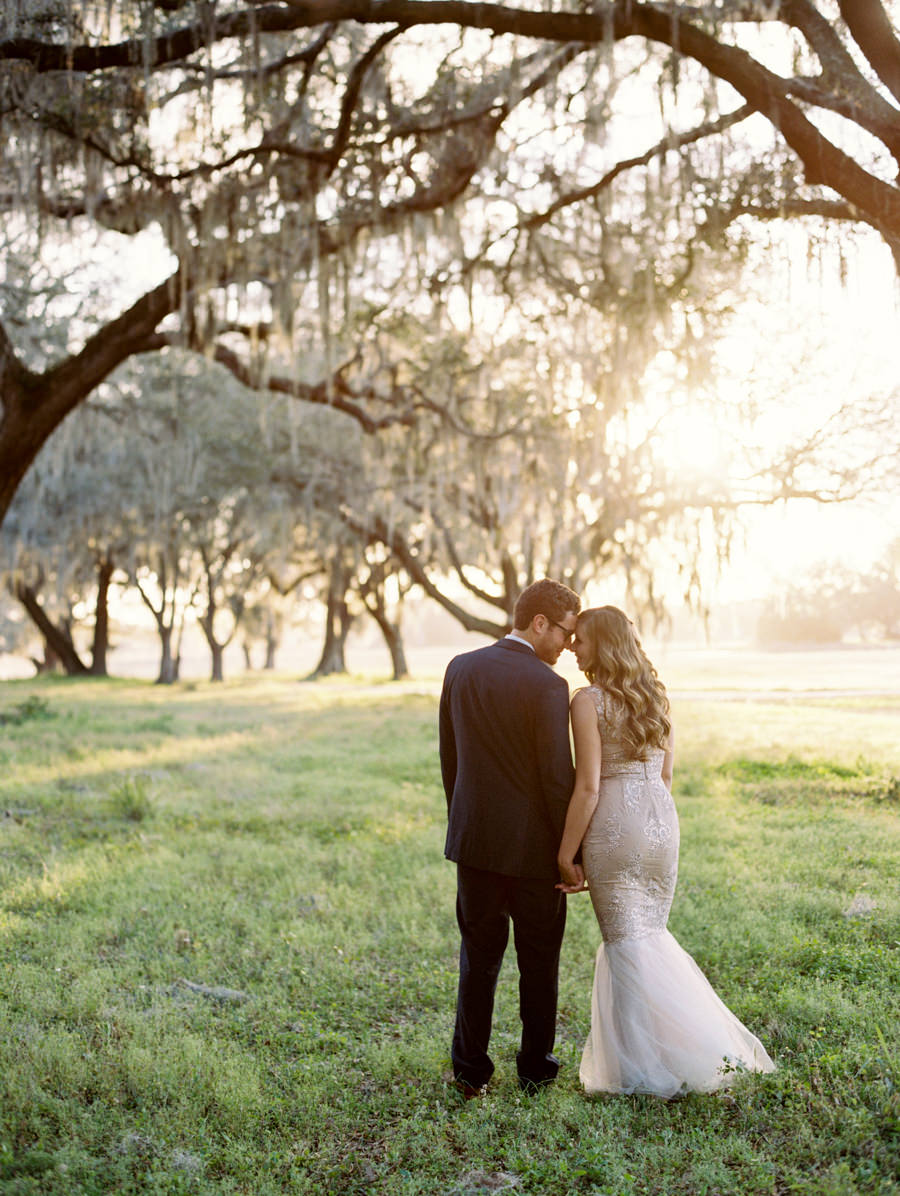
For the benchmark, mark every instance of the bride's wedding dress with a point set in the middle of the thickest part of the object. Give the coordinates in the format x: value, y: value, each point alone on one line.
x: 657, y: 1026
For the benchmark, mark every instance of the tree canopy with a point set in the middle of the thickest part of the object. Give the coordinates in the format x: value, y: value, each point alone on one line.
x: 264, y: 156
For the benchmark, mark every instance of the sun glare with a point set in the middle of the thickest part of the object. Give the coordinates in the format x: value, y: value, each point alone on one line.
x: 692, y: 442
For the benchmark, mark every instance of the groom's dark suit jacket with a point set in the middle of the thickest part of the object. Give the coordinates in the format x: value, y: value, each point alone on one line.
x: 505, y: 760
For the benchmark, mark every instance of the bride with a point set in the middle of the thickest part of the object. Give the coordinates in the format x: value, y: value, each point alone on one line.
x: 657, y: 1026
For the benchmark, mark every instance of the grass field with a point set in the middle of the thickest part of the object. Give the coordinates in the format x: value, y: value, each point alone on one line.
x: 229, y: 953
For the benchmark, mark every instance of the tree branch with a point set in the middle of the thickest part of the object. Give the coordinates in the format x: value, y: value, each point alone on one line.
x: 845, y: 86
x: 35, y: 404
x: 876, y: 115
x: 827, y: 209
x: 376, y: 531
x: 335, y: 395
x: 872, y: 31
x: 824, y: 163
x: 166, y: 49
x: 671, y: 142
x: 830, y: 209
x: 351, y: 93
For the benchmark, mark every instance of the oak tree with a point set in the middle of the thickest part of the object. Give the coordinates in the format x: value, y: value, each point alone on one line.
x: 261, y: 153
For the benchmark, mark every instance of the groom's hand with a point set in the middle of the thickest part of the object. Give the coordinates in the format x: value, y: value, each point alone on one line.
x: 572, y: 878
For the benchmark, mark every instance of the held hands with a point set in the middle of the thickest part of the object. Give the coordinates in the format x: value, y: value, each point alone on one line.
x: 572, y: 874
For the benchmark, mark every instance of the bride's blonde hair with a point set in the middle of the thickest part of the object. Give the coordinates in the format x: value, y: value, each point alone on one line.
x: 617, y: 663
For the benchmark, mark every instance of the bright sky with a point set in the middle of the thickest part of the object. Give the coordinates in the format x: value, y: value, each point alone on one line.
x: 852, y: 335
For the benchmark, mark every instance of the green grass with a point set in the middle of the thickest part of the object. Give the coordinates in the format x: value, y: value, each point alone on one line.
x: 229, y: 954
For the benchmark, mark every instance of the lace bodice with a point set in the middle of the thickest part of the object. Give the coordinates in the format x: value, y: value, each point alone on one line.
x: 631, y: 846
x: 617, y: 760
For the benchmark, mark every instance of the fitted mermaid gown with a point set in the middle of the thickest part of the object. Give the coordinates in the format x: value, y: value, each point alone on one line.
x: 657, y: 1026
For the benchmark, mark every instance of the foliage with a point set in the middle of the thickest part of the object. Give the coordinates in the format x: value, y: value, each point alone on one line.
x: 251, y: 989
x: 208, y: 496
x: 833, y: 600
x: 277, y: 185
x: 129, y: 798
x: 70, y: 532
x: 32, y: 707
x: 162, y: 476
x: 875, y: 597
x: 890, y: 791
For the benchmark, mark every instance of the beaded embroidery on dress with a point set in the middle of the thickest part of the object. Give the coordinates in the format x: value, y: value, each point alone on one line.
x: 657, y: 1026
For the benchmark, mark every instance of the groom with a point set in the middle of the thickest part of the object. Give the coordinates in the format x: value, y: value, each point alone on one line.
x: 507, y: 772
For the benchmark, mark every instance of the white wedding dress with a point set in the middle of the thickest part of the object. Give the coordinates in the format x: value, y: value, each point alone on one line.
x: 657, y: 1026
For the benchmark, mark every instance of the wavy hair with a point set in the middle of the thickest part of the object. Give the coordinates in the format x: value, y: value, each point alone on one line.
x: 545, y: 597
x: 617, y: 663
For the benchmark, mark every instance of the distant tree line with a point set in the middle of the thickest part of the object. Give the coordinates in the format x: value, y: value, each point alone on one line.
x: 833, y: 602
x: 219, y: 503
x: 204, y: 497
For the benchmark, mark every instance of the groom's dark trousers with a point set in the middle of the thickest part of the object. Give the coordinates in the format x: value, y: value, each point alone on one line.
x: 485, y: 902
x: 507, y: 771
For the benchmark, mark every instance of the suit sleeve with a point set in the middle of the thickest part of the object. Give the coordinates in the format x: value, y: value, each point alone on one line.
x: 447, y: 740
x: 554, y: 753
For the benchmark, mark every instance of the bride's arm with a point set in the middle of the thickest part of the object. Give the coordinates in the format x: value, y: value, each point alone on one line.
x: 585, y: 794
x: 669, y: 760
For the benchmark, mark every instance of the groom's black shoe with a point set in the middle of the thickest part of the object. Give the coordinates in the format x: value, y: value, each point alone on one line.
x: 469, y: 1091
x: 536, y: 1071
x: 532, y: 1087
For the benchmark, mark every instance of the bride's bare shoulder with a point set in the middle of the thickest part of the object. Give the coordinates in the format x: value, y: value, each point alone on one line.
x: 588, y: 695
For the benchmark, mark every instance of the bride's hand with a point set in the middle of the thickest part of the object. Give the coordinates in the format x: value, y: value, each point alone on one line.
x: 572, y: 874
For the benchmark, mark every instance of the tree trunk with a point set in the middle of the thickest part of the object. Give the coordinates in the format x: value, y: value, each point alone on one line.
x: 332, y: 659
x: 176, y: 670
x: 168, y: 665
x: 49, y: 664
x: 208, y: 619
x: 34, y: 405
x: 271, y: 640
x: 218, y: 652
x: 393, y: 637
x: 58, y: 640
x: 100, y: 644
x: 216, y: 649
x: 338, y: 621
x: 167, y: 670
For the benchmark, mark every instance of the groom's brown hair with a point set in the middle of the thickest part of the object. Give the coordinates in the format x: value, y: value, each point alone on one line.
x: 544, y: 597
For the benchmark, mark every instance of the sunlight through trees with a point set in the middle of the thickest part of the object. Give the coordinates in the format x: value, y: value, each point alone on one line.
x: 444, y: 282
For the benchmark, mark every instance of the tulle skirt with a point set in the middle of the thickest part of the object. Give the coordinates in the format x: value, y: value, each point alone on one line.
x: 658, y: 1027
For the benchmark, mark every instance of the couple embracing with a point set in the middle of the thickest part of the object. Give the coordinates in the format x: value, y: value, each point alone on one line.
x: 526, y: 829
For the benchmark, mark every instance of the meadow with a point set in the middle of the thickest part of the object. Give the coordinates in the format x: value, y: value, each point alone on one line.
x: 229, y: 953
